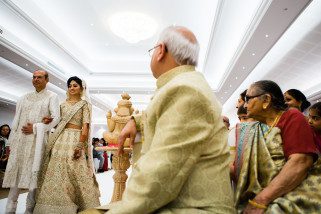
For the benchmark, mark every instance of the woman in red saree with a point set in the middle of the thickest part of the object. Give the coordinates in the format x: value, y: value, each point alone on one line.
x: 276, y: 163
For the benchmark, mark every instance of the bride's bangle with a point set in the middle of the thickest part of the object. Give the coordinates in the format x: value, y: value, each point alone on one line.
x: 257, y: 205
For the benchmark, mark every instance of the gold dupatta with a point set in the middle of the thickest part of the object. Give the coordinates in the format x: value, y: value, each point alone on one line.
x: 259, y: 160
x: 54, y: 136
x: 61, y: 126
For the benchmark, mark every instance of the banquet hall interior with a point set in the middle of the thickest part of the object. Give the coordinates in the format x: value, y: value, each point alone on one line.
x: 106, y: 43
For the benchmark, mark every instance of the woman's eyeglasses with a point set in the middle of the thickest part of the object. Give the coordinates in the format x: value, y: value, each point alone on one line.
x: 247, y: 98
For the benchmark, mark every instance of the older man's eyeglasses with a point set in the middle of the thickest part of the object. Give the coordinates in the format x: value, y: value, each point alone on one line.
x: 151, y: 51
x: 248, y: 98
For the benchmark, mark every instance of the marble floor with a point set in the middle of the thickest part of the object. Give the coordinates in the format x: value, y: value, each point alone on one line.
x: 106, y: 185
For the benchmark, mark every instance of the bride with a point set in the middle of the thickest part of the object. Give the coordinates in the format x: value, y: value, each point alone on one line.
x: 67, y: 182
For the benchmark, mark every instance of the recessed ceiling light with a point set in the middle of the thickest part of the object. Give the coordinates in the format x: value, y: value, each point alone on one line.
x: 91, y: 24
x: 7, y: 104
x: 27, y: 64
x: 132, y: 27
x: 60, y: 83
x: 225, y: 92
x: 230, y: 86
x: 266, y: 35
x: 236, y: 78
x: 98, y: 92
x: 253, y: 54
x: 243, y: 68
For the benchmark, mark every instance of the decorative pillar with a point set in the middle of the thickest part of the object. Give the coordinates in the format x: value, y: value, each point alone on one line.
x: 120, y: 165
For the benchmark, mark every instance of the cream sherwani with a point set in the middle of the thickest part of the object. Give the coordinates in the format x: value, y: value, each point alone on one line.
x: 184, y: 162
x: 31, y: 108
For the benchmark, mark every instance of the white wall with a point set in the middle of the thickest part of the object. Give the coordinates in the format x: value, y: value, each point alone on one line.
x: 97, y: 130
x: 6, y: 115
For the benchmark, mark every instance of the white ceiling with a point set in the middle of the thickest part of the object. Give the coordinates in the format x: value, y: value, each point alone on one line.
x: 240, y: 41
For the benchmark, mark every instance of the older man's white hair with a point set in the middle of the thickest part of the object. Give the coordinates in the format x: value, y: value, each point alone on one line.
x: 184, y: 50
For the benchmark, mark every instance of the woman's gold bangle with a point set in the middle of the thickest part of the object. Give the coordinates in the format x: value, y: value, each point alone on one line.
x: 257, y: 205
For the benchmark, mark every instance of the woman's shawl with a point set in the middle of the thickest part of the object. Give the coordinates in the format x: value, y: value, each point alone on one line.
x: 259, y: 159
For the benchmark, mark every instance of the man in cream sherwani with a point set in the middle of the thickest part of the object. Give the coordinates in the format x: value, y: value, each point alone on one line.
x: 184, y: 162
x: 27, y: 138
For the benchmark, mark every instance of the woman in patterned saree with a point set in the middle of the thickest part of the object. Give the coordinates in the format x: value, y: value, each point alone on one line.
x: 275, y: 166
x: 67, y: 181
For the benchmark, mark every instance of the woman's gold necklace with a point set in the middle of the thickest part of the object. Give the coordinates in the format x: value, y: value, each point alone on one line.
x: 276, y: 120
x: 73, y: 101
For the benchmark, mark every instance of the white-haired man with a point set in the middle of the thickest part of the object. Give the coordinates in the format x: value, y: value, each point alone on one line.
x: 27, y: 139
x: 184, y: 162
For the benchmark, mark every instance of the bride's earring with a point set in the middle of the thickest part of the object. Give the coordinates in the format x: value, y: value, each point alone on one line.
x: 67, y: 94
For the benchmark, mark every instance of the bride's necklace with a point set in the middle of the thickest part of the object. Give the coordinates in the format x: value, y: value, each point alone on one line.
x: 276, y: 120
x: 73, y: 101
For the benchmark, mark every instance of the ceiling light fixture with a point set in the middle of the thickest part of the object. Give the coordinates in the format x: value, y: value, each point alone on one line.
x: 243, y: 68
x: 27, y: 64
x: 253, y: 54
x: 132, y: 27
x: 266, y: 35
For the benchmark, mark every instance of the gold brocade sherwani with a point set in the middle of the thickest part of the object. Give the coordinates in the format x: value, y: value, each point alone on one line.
x: 185, y: 157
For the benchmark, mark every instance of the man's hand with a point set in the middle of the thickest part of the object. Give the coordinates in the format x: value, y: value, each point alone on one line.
x: 129, y: 131
x: 249, y: 209
x: 27, y: 129
x: 47, y: 119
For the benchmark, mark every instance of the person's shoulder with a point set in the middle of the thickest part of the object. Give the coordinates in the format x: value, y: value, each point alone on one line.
x: 293, y: 113
x: 52, y: 94
x: 193, y: 80
x: 291, y: 116
x: 87, y: 104
x: 25, y: 96
x: 188, y: 76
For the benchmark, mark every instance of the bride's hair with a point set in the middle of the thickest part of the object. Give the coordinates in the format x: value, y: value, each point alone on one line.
x: 76, y: 79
